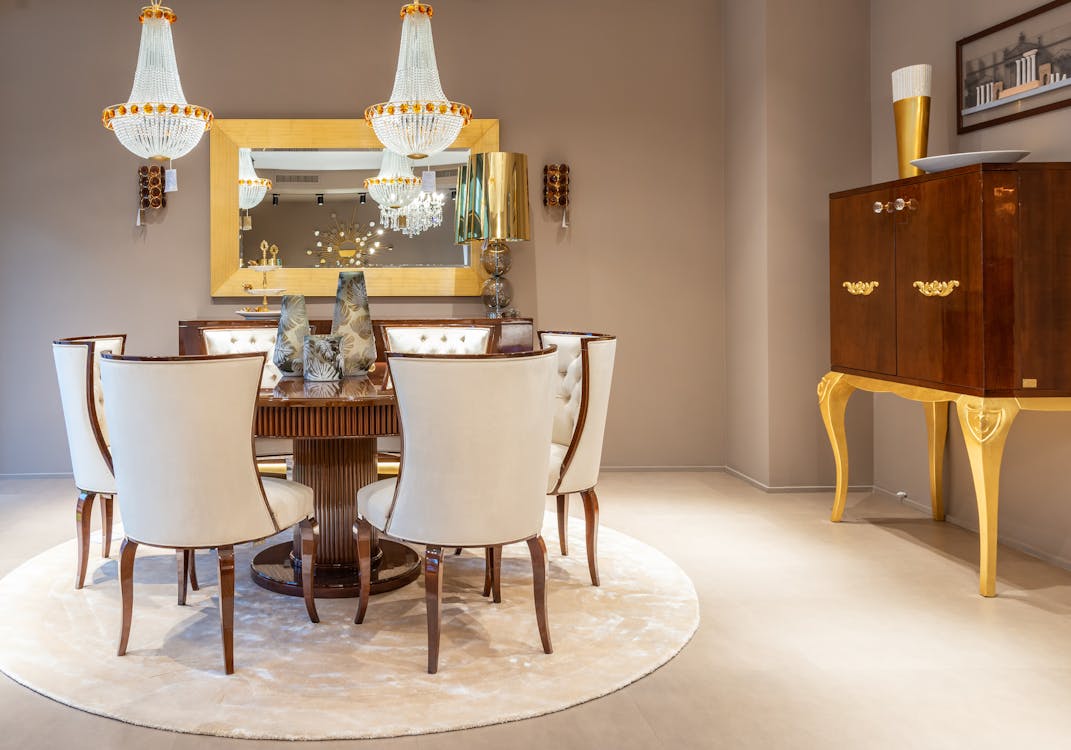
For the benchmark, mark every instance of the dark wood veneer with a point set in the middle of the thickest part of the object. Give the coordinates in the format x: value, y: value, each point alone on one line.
x: 1002, y: 232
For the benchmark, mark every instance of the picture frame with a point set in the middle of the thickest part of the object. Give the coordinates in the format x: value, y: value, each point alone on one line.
x: 1015, y: 69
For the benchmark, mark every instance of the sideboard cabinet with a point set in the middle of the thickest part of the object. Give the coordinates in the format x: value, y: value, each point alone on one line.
x: 953, y: 287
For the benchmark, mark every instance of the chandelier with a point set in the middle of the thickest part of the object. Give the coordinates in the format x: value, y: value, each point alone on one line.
x: 156, y: 122
x: 418, y: 120
x: 349, y: 243
x: 394, y: 186
x: 424, y: 213
x: 251, y: 189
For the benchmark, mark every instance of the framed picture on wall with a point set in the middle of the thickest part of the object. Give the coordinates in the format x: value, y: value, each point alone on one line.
x: 1018, y: 68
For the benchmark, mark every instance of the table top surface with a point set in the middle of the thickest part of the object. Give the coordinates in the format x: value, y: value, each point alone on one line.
x: 353, y: 392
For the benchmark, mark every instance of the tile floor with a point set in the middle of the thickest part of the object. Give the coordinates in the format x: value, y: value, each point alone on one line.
x: 867, y: 634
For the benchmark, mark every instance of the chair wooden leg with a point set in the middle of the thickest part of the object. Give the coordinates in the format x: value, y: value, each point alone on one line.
x: 106, y: 525
x: 488, y: 567
x: 591, y: 528
x: 433, y: 594
x: 538, y: 549
x: 310, y: 540
x: 563, y: 523
x: 496, y: 575
x: 83, y: 514
x: 225, y: 556
x: 126, y: 588
x: 182, y: 563
x: 362, y: 532
x: 457, y: 550
x: 193, y: 570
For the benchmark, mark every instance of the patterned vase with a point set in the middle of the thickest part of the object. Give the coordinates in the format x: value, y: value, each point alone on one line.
x: 322, y: 358
x: 353, y: 323
x: 293, y: 328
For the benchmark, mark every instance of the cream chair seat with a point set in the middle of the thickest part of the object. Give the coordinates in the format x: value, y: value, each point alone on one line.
x: 244, y: 340
x: 78, y: 372
x: 169, y: 413
x: 472, y: 475
x: 585, y: 371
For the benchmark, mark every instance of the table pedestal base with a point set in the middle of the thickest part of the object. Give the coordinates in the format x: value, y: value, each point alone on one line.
x: 274, y: 568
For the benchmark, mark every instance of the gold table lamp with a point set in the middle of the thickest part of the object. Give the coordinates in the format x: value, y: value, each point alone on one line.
x: 492, y: 206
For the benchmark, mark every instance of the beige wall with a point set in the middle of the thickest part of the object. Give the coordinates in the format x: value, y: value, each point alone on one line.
x: 797, y: 128
x: 1035, y: 512
x: 629, y: 94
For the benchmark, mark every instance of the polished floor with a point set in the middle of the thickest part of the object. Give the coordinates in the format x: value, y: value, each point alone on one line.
x: 867, y: 634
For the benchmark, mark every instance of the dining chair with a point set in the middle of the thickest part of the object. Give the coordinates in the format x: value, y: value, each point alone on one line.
x: 169, y: 413
x: 475, y: 432
x: 425, y: 338
x: 585, y: 370
x: 78, y: 371
x: 271, y: 452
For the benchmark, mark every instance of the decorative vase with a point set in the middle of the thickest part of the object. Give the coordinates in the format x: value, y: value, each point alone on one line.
x: 290, y: 339
x: 354, y: 324
x: 322, y: 356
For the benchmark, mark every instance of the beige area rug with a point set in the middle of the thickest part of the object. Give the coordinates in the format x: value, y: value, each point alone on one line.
x: 335, y: 680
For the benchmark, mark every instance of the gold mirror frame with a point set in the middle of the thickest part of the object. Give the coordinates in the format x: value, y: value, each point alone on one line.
x: 228, y: 278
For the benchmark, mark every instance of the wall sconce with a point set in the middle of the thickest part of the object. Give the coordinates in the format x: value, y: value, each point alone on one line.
x: 364, y: 198
x: 319, y: 199
x: 275, y: 199
x: 556, y: 189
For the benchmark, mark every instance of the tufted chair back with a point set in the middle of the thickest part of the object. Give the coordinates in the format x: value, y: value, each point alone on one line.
x: 442, y: 339
x: 168, y: 414
x: 585, y: 366
x: 78, y: 371
x: 240, y: 340
x: 476, y: 434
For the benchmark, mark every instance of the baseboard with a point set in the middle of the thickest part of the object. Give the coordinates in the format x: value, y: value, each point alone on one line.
x: 791, y: 487
x: 662, y: 468
x: 40, y: 475
x: 971, y: 526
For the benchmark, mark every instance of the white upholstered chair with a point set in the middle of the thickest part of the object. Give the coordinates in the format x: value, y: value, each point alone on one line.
x: 476, y: 431
x: 585, y: 370
x: 78, y: 371
x: 424, y: 338
x: 244, y: 340
x: 169, y: 413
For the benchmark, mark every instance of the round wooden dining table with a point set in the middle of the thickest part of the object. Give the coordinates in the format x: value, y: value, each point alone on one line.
x: 334, y: 426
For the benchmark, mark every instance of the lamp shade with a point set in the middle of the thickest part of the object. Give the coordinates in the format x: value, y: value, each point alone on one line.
x: 492, y: 198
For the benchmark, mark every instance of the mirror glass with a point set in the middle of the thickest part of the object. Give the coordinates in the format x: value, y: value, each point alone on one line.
x: 320, y: 215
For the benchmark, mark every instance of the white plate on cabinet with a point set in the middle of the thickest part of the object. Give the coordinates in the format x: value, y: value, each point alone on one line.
x: 259, y: 314
x: 952, y: 161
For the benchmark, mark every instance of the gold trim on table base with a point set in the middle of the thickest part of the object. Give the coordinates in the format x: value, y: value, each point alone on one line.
x: 985, y: 424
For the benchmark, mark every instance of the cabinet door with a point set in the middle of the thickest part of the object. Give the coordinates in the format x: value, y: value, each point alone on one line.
x: 939, y: 281
x: 862, y: 293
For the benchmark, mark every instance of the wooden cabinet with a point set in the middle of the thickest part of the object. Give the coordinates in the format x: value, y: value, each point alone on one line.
x: 959, y: 280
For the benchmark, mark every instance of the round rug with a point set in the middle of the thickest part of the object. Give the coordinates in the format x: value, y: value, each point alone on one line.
x: 335, y: 680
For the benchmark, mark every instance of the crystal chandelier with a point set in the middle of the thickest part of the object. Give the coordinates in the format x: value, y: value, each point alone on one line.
x: 348, y: 243
x: 418, y: 120
x: 156, y: 122
x: 395, y: 186
x: 424, y: 213
x: 251, y: 189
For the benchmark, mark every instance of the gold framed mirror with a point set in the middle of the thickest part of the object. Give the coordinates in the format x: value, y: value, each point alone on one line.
x: 228, y: 277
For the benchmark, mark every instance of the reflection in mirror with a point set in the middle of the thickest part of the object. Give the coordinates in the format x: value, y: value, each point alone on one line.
x: 320, y: 214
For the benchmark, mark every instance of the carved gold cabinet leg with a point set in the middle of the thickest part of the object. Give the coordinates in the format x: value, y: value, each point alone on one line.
x: 985, y: 423
x: 833, y: 394
x: 936, y: 435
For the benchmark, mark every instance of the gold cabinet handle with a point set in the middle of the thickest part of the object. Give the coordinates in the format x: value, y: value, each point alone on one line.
x: 864, y: 288
x: 901, y: 203
x: 935, y: 288
x: 887, y: 207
